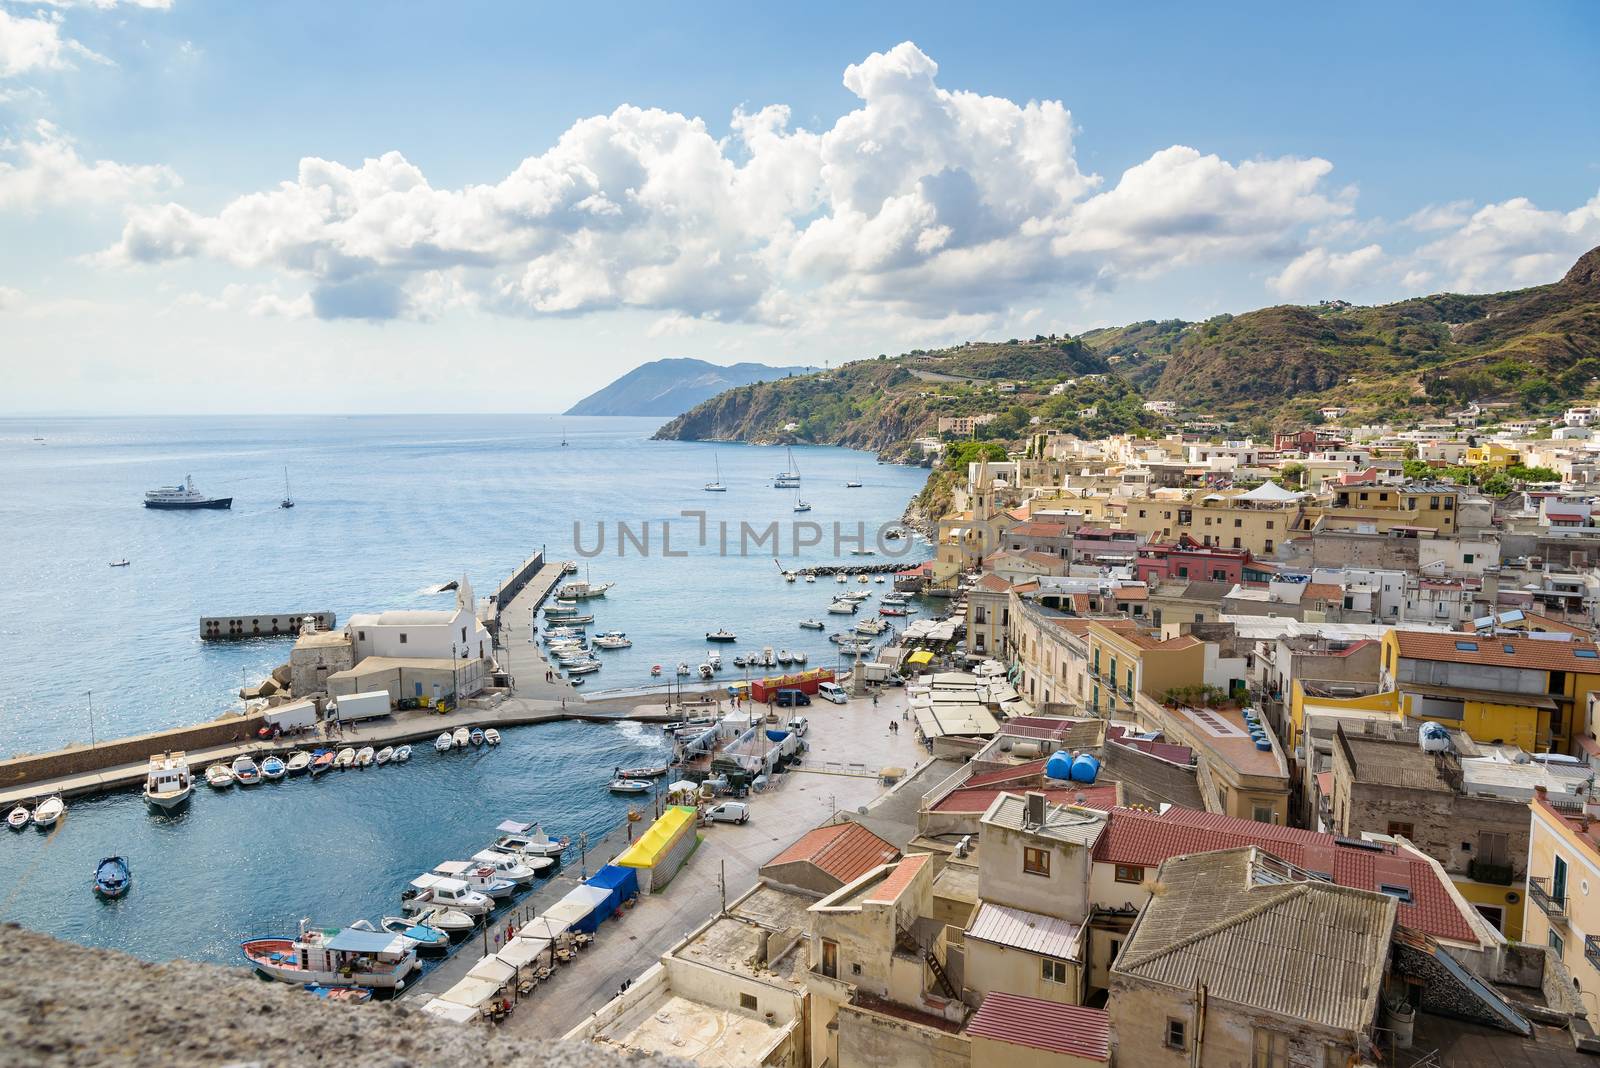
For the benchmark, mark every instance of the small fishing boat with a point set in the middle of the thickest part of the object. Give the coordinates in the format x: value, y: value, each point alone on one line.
x: 349, y: 995
x: 19, y: 817
x: 364, y: 756
x: 509, y: 866
x: 612, y: 640
x: 811, y: 624
x: 840, y: 579
x: 878, y: 580
x: 842, y: 608
x: 893, y: 598
x: 784, y: 659
x: 322, y: 760
x: 811, y: 578
x: 789, y: 576
x: 583, y: 667
x: 245, y: 771
x: 49, y: 812
x: 891, y: 610
x: 442, y: 743
x: 629, y: 786
x: 461, y: 738
x: 273, y: 769
x: 715, y: 660
x: 112, y: 877
x: 652, y: 771
x: 526, y: 842
x: 430, y: 940
x: 582, y: 591
x: 168, y: 783
x: 738, y: 661
x: 491, y: 737
x: 561, y: 608
x: 119, y: 563
x: 655, y: 670
x: 569, y: 567
x: 219, y: 777
x: 346, y: 758
x: 475, y: 736
x: 383, y: 756
x: 402, y: 754
x: 480, y: 877
x: 299, y: 761
x: 453, y: 922
x: 798, y: 658
x: 723, y: 635
x: 334, y: 958
x: 705, y: 671
x: 432, y: 889
x: 683, y: 667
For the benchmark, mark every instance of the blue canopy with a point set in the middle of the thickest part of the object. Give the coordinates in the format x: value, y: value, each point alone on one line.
x: 623, y: 884
x: 348, y: 941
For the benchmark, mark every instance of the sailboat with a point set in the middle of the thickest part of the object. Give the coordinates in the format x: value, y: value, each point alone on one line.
x: 288, y: 499
x: 854, y: 483
x: 563, y: 437
x: 716, y: 486
x: 801, y: 505
x: 790, y: 478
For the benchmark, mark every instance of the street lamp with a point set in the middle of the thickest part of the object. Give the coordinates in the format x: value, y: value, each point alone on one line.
x: 90, y: 695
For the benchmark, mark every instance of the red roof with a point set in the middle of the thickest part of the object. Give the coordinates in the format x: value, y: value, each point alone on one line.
x: 1016, y: 771
x: 1501, y: 650
x: 1022, y: 1021
x: 894, y: 884
x: 846, y: 851
x: 1144, y: 839
x: 1177, y: 754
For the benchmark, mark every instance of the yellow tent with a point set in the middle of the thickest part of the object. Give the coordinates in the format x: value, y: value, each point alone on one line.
x: 921, y: 656
x: 663, y: 834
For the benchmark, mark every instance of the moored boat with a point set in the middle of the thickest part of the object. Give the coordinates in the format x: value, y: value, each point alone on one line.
x: 245, y: 771
x: 430, y: 940
x: 273, y: 769
x: 491, y: 737
x: 475, y: 736
x: 350, y: 995
x: 383, y: 756
x: 218, y: 777
x: 378, y: 960
x: 299, y: 761
x: 481, y: 877
x: 460, y: 739
x: 652, y: 771
x: 364, y: 756
x: 442, y: 743
x: 49, y: 812
x: 582, y: 591
x: 19, y: 817
x: 168, y: 783
x: 629, y: 786
x: 112, y: 877
x: 453, y: 922
x: 510, y: 866
x: 346, y: 758
x: 402, y: 754
x: 529, y: 841
x: 432, y: 889
x: 322, y: 760
x: 583, y: 667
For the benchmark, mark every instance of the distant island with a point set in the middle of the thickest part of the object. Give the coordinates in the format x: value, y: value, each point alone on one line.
x: 671, y: 387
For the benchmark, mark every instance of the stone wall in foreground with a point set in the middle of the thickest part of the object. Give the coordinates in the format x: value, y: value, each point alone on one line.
x: 65, y: 1005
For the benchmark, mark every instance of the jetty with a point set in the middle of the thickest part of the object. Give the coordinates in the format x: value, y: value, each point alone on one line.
x: 260, y: 625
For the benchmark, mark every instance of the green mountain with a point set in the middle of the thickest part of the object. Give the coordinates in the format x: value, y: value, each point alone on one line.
x: 668, y: 387
x: 1530, y: 351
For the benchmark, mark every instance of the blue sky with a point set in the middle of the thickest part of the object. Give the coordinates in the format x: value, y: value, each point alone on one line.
x: 1180, y: 160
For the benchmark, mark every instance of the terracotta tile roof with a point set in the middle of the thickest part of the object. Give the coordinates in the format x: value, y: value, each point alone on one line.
x: 1023, y: 1021
x: 1146, y: 839
x: 846, y: 851
x: 1131, y: 593
x: 895, y: 883
x: 1540, y: 654
x: 1323, y: 591
x: 994, y: 584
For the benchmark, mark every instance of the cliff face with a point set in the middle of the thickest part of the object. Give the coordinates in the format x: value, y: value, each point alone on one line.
x: 66, y: 1005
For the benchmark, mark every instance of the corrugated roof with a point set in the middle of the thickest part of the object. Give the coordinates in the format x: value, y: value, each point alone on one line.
x: 1146, y: 839
x: 894, y: 884
x: 1022, y: 1021
x: 846, y: 851
x: 1032, y: 932
x: 1306, y: 950
x: 1500, y: 650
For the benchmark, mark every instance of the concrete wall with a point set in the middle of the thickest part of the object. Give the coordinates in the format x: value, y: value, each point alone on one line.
x: 721, y: 989
x: 519, y: 578
x: 81, y: 760
x: 987, y: 1053
x: 1139, y: 1013
x: 1001, y: 880
x: 872, y: 1040
x: 1012, y: 971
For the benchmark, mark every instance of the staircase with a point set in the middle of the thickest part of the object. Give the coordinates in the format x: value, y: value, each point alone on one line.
x: 908, y: 942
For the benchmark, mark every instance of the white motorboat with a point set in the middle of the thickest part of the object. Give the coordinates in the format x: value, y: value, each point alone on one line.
x: 894, y: 598
x: 529, y: 842
x: 453, y: 922
x: 784, y: 659
x: 705, y: 671
x: 629, y: 786
x: 509, y: 866
x: 612, y: 639
x: 298, y: 762
x: 683, y: 668
x: 812, y: 624
x: 219, y: 777
x: 842, y: 608
x: 380, y: 960
x: 481, y: 877
x: 840, y: 579
x: 433, y: 889
x: 878, y: 580
x: 383, y: 756
x: 19, y: 817
x: 561, y: 608
x: 461, y: 738
x: 442, y: 743
x: 767, y: 659
x: 168, y: 782
x: 722, y: 635
x: 799, y: 658
x: 49, y: 812
x: 417, y: 936
x: 346, y: 758
x: 183, y: 498
x: 583, y: 667
x: 582, y: 590
x: 871, y: 625
x: 491, y: 736
x: 811, y: 578
x: 801, y: 506
x: 402, y: 754
x: 120, y: 563
x: 715, y: 660
x: 475, y: 736
x: 245, y: 771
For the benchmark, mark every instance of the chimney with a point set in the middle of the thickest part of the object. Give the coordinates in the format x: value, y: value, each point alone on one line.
x: 1035, y: 813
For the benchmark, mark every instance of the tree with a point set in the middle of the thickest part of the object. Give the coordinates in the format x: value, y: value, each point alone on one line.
x: 1292, y: 475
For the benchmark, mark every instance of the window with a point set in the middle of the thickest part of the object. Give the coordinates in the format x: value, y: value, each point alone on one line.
x: 1238, y: 522
x: 1555, y: 942
x: 1035, y: 861
x: 1141, y: 513
x: 830, y: 959
x: 1176, y: 1038
x: 1129, y: 873
x: 747, y: 1001
x: 1263, y: 814
x: 361, y: 635
x: 1236, y: 544
x: 1433, y: 504
x: 1055, y: 971
x: 1267, y: 545
x: 402, y: 637
x: 979, y: 615
x: 1401, y: 894
x: 1404, y: 830
x: 1271, y: 1050
x: 463, y: 635
x: 1466, y: 558
x: 1116, y: 948
x: 1269, y: 524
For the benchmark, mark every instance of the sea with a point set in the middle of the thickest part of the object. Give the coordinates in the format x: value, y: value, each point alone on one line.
x: 387, y: 510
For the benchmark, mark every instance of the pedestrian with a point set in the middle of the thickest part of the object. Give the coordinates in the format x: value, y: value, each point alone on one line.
x: 874, y: 700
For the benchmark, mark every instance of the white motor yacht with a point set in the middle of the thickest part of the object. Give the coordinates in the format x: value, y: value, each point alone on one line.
x: 481, y: 877
x: 529, y: 841
x: 432, y: 889
x: 168, y: 783
x: 508, y: 866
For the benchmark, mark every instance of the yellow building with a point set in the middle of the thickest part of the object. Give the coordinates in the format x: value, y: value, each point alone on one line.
x: 1258, y: 520
x: 1529, y: 692
x: 1383, y: 508
x: 1496, y: 455
x: 1126, y: 662
x: 1563, y: 872
x: 1384, y: 705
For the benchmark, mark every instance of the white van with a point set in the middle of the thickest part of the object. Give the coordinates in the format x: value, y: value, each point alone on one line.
x: 832, y: 691
x: 799, y: 725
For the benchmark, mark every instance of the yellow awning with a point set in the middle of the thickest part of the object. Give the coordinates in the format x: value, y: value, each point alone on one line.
x: 661, y: 837
x: 921, y: 656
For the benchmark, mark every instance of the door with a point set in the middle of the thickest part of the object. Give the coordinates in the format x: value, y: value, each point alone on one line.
x: 830, y: 959
x: 1558, y: 881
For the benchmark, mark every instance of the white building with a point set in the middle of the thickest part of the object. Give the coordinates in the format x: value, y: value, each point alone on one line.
x: 455, y: 634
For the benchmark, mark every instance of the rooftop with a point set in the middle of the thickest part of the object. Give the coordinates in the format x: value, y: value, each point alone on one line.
x: 1062, y: 823
x: 669, y: 1023
x: 1031, y: 932
x: 1045, y: 1025
x: 1540, y: 654
x: 845, y: 851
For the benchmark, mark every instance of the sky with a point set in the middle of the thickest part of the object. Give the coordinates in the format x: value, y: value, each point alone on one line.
x: 307, y: 207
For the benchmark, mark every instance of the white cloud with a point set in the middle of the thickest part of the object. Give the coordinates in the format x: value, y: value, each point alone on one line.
x: 35, y: 43
x: 925, y: 203
x: 1440, y: 216
x: 1513, y: 243
x: 9, y: 298
x: 45, y: 169
x: 1318, y: 272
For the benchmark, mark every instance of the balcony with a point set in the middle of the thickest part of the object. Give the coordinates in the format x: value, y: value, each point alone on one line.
x: 1591, y: 951
x: 1488, y: 871
x: 1552, y: 905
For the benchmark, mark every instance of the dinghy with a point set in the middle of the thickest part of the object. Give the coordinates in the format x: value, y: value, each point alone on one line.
x: 629, y: 786
x: 402, y: 754
x: 298, y: 762
x: 322, y: 761
x: 219, y: 777
x: 461, y: 738
x: 112, y: 877
x: 273, y: 769
x: 19, y: 818
x: 475, y: 737
x: 383, y: 756
x: 441, y: 744
x: 491, y: 736
x: 245, y: 772
x: 49, y: 812
x: 364, y: 757
x: 346, y: 758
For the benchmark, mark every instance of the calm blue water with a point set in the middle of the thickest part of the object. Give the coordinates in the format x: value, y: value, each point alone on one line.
x: 387, y: 507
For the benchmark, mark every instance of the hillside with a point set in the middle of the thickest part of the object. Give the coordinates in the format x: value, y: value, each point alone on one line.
x: 1530, y: 351
x: 669, y: 387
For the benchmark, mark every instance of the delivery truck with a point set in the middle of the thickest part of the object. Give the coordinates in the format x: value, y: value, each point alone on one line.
x: 356, y: 706
x: 294, y: 716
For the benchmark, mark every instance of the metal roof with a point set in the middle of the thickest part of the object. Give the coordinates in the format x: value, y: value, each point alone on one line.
x: 1023, y: 1021
x: 1062, y: 824
x: 1031, y: 932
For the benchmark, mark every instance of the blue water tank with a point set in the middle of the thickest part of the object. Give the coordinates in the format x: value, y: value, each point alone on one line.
x: 1085, y: 768
x: 1263, y: 745
x: 1059, y: 766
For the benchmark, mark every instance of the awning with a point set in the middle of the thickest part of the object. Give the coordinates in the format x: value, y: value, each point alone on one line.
x: 451, y: 1011
x: 471, y: 992
x: 513, y: 827
x: 520, y: 952
x: 921, y: 656
x: 348, y: 941
x: 494, y: 970
x: 544, y: 927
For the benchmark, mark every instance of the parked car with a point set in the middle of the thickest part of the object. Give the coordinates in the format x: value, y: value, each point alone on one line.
x: 793, y: 698
x: 832, y: 691
x: 729, y: 812
x: 799, y: 725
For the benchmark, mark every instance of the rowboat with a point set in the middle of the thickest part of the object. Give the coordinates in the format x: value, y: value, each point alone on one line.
x: 49, y: 811
x: 245, y: 772
x: 345, y: 758
x: 19, y: 818
x: 219, y: 777
x: 384, y: 755
x: 652, y: 772
x: 364, y: 757
x: 491, y: 736
x: 273, y: 769
x: 475, y: 736
x: 298, y: 761
x: 402, y: 754
x: 322, y: 761
x: 461, y: 738
x: 629, y: 786
x: 112, y: 877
